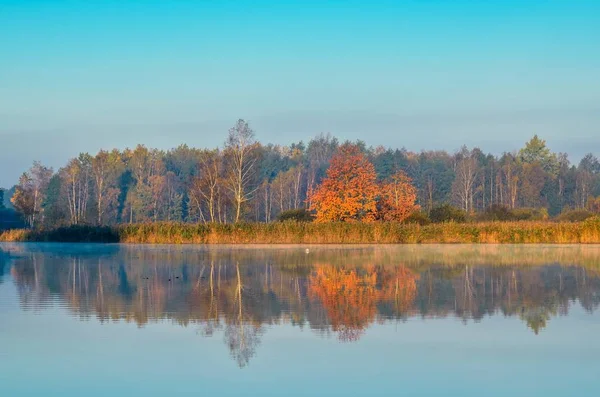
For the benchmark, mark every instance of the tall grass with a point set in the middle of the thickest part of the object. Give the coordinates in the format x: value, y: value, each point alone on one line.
x: 525, y: 232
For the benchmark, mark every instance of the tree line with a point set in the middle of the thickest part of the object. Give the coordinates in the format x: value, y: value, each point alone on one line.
x: 245, y: 180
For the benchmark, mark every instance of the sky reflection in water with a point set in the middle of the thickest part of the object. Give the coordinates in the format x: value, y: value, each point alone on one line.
x: 410, y: 320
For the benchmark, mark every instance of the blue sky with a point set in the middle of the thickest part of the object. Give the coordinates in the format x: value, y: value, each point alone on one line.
x: 81, y: 75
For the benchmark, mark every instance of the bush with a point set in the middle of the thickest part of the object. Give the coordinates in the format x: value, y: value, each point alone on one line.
x: 447, y: 213
x: 530, y: 214
x: 77, y: 234
x: 10, y: 219
x: 419, y: 218
x: 592, y: 222
x: 298, y: 215
x: 574, y: 216
x: 502, y: 213
x: 496, y: 212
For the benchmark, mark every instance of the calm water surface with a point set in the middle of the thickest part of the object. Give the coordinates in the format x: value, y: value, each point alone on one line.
x: 117, y: 320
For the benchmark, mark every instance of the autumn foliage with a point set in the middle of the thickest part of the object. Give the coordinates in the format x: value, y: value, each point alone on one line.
x: 349, y: 191
x: 397, y: 198
x: 351, y: 296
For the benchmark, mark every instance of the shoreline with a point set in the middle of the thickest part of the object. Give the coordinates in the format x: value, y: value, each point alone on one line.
x: 281, y: 233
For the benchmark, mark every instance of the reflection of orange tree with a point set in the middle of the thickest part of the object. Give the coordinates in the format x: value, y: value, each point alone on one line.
x: 350, y: 296
x: 400, y: 287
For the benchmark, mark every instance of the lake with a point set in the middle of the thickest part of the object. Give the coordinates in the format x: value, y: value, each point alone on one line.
x: 453, y: 320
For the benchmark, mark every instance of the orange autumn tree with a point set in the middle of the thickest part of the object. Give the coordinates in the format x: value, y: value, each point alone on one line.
x: 397, y: 198
x: 349, y: 190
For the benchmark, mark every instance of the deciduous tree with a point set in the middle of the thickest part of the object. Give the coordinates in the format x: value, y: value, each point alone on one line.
x: 106, y: 168
x: 241, y: 155
x: 397, y: 198
x: 349, y: 190
x: 76, y: 180
x: 30, y: 192
x: 466, y: 173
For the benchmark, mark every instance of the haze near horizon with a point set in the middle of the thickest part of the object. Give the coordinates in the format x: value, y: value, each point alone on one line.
x: 83, y: 75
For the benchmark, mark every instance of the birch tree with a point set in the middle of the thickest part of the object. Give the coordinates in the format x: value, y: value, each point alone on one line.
x: 204, y: 189
x: 76, y: 178
x: 106, y: 169
x: 240, y: 152
x: 466, y: 173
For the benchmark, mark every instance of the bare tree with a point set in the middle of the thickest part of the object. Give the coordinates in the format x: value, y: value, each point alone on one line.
x: 205, y: 187
x: 511, y: 178
x: 240, y: 151
x: 466, y: 173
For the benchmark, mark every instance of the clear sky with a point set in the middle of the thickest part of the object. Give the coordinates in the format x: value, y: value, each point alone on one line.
x: 83, y: 75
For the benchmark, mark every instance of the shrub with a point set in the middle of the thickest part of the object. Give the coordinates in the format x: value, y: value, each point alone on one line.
x: 530, y: 214
x: 496, y: 212
x: 447, y: 213
x: 10, y: 219
x: 578, y: 215
x: 592, y: 222
x: 419, y: 218
x: 298, y: 215
x: 76, y: 234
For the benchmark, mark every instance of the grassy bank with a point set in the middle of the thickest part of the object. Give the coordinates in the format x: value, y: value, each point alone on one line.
x: 586, y: 232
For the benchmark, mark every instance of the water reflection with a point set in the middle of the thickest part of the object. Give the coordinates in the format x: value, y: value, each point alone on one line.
x: 239, y: 293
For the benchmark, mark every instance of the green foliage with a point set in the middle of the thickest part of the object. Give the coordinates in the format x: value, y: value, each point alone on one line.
x: 530, y: 214
x: 54, y: 210
x: 536, y: 151
x: 298, y: 215
x: 447, y: 213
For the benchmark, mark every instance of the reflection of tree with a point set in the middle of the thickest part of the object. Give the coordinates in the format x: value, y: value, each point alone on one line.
x: 213, y: 322
x: 350, y: 296
x: 213, y: 294
x: 537, y: 317
x: 400, y: 287
x: 241, y: 335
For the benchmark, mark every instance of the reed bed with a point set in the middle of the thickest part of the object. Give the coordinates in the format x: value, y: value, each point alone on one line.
x: 525, y: 232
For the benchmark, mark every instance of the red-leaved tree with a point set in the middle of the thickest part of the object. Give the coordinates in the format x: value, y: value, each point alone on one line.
x: 349, y: 190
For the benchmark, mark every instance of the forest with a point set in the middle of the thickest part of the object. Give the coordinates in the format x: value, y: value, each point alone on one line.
x: 322, y: 180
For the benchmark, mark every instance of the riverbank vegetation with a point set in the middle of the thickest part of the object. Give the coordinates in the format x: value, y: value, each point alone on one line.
x: 292, y: 232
